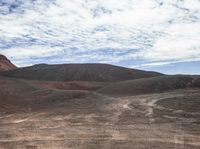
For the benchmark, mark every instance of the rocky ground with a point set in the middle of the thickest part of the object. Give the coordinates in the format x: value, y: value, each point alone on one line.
x: 169, y: 120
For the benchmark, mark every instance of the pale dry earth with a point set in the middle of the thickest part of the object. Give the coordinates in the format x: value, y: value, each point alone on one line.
x: 169, y: 120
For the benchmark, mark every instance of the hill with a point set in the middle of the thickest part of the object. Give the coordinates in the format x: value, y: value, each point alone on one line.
x: 79, y: 72
x: 151, y: 85
x: 5, y: 64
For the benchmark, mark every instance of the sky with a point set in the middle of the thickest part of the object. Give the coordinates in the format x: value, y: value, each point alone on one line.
x: 158, y: 35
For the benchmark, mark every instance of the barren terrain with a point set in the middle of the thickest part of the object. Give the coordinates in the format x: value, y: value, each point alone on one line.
x: 37, y: 118
x: 161, y: 112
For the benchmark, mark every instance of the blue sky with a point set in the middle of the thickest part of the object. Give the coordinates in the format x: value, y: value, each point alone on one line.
x: 160, y: 35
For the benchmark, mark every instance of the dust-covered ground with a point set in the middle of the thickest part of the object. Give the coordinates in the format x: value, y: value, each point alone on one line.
x: 169, y: 120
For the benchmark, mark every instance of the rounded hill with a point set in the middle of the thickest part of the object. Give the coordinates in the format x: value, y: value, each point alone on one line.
x: 79, y: 72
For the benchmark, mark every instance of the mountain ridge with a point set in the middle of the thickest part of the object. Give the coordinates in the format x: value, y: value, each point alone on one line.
x: 79, y: 72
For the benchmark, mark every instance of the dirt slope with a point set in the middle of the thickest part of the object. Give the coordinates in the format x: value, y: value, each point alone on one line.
x: 79, y: 72
x: 19, y: 95
x: 39, y: 114
x: 151, y: 85
x: 5, y: 64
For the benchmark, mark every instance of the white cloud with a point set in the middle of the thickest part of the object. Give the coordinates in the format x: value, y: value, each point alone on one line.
x: 181, y: 43
x: 33, y: 51
x: 158, y: 30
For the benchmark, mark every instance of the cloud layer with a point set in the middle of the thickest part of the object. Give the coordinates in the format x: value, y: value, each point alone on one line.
x: 132, y: 32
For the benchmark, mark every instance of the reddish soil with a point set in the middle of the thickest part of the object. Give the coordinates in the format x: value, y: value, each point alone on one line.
x: 5, y: 64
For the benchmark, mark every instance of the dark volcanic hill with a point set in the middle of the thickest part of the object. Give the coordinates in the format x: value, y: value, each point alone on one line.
x: 79, y: 72
x: 151, y: 85
x: 5, y: 64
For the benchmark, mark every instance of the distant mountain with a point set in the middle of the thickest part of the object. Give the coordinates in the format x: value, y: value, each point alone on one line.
x: 5, y: 64
x: 79, y: 72
x: 151, y: 85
